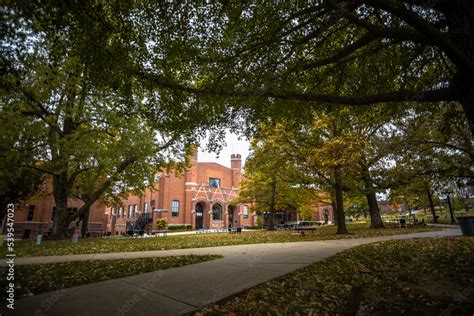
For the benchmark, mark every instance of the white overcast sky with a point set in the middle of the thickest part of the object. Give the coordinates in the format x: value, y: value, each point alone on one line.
x: 233, y: 146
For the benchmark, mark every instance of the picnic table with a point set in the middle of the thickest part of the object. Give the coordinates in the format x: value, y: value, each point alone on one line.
x: 303, y: 230
x: 403, y: 222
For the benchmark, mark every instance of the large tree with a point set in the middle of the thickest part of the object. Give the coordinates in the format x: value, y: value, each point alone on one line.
x: 67, y: 78
x: 269, y: 182
x: 182, y: 66
x: 436, y: 152
x: 17, y: 146
x: 252, y: 53
x: 319, y: 154
x: 294, y: 51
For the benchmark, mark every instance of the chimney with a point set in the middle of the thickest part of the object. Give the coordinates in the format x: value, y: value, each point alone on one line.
x: 191, y: 172
x: 194, y: 154
x: 236, y: 162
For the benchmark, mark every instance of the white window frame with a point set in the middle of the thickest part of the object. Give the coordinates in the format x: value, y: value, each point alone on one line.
x: 173, y: 204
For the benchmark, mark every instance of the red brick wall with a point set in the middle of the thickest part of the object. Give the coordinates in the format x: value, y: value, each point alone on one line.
x: 213, y: 170
x: 168, y: 187
x: 318, y: 215
x: 43, y: 203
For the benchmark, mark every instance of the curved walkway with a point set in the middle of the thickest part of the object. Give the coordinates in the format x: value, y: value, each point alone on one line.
x: 185, y: 289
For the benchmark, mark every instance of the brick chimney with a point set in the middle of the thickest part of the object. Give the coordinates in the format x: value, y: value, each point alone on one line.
x: 191, y: 172
x: 236, y: 162
x: 236, y: 166
x: 194, y: 154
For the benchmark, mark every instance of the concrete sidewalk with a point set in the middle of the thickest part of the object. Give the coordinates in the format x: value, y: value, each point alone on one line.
x: 185, y: 289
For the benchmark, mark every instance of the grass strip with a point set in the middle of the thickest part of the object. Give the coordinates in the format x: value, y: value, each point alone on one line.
x: 28, y: 248
x: 41, y: 278
x: 429, y: 276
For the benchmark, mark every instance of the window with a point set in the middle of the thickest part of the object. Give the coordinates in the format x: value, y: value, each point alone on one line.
x: 246, y: 211
x: 53, y: 214
x: 215, y: 182
x: 145, y: 207
x: 26, y: 233
x: 152, y: 205
x: 71, y: 210
x: 130, y: 210
x: 135, y: 209
x: 119, y: 213
x: 217, y: 212
x: 112, y: 212
x: 175, y: 208
x: 31, y: 213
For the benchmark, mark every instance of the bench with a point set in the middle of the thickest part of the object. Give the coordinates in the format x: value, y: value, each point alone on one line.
x: 303, y: 230
x: 402, y: 223
x: 235, y: 230
x: 391, y: 223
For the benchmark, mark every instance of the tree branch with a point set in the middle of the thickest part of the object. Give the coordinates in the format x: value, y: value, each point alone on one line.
x: 425, y: 28
x: 363, y: 41
x: 443, y: 94
x: 98, y: 193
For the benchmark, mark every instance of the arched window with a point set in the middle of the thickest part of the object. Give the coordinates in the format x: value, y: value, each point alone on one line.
x: 217, y: 212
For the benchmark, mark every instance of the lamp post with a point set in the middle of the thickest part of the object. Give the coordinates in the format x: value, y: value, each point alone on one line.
x: 448, y: 192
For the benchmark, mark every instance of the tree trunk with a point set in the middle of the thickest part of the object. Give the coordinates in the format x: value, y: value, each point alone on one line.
x: 334, y: 214
x: 61, y: 194
x: 270, y: 220
x: 432, y: 207
x: 375, y: 218
x: 467, y: 98
x: 341, y: 219
x: 272, y: 205
x: 85, y: 221
x: 460, y: 19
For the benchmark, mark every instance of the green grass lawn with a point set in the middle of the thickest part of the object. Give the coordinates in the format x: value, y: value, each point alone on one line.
x: 430, y: 276
x: 27, y: 248
x: 444, y: 216
x: 41, y: 278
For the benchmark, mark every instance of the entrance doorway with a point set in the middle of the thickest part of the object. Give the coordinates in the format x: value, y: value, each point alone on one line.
x: 231, y: 216
x: 199, y: 216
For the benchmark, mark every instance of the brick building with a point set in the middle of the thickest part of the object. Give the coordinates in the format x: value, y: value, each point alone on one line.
x: 37, y: 214
x: 200, y: 197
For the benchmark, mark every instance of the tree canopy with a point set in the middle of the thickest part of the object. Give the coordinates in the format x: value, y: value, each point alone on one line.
x: 111, y: 90
x: 86, y: 124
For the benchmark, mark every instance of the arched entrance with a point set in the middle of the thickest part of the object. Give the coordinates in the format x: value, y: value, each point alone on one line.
x: 199, y: 216
x: 217, y: 212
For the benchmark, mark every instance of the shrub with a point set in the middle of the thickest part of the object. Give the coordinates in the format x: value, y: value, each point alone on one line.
x: 161, y: 223
x: 180, y: 227
x: 252, y: 227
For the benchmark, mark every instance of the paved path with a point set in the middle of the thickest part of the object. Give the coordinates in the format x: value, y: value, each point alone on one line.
x: 185, y: 289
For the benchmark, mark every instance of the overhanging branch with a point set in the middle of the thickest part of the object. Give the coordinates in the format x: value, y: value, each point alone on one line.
x: 437, y: 95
